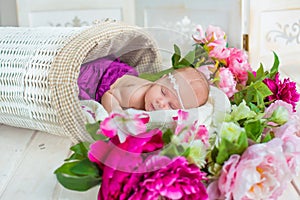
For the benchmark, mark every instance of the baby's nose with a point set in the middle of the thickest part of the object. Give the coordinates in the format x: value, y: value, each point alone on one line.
x: 162, y: 103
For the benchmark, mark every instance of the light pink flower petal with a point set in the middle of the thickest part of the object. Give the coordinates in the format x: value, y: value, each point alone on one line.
x: 227, y: 82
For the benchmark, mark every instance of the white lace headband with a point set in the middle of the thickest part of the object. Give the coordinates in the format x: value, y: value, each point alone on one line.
x: 176, y: 87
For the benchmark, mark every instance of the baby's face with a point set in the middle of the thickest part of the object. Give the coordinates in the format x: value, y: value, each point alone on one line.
x: 191, y: 93
x: 161, y: 97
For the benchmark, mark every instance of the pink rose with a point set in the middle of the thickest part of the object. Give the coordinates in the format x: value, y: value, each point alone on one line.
x: 227, y: 82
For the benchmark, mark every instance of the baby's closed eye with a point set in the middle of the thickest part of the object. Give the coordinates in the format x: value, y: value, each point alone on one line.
x: 163, y: 91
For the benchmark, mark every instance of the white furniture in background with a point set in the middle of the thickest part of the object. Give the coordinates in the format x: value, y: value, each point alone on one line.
x: 275, y: 26
x: 169, y: 21
x: 183, y: 15
x: 272, y: 25
x: 174, y: 21
x: 72, y: 12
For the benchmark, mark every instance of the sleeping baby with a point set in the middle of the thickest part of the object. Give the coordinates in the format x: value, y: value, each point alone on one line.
x: 117, y: 86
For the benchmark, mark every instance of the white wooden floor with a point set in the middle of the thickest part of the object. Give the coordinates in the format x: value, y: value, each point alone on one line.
x: 28, y: 159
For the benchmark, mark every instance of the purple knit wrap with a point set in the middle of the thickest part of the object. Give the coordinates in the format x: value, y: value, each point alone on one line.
x: 96, y: 77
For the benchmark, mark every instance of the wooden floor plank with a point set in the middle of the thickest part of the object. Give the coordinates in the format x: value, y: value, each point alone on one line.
x: 296, y: 184
x: 74, y: 195
x: 13, y: 145
x: 34, y: 178
x: 289, y: 194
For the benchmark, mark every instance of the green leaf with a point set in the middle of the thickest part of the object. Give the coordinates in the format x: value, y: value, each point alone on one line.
x: 180, y: 66
x: 260, y: 74
x: 170, y: 150
x: 80, y: 151
x: 267, y: 138
x: 73, y: 181
x: 249, y: 94
x: 188, y: 60
x: 251, y: 78
x: 92, y: 129
x: 167, y: 136
x: 186, y: 153
x: 253, y: 129
x: 259, y: 98
x: 176, y: 56
x: 275, y: 66
x: 238, y: 97
x: 214, y: 154
x: 253, y: 107
x: 156, y: 76
x: 227, y: 148
x: 85, y: 167
x: 262, y: 88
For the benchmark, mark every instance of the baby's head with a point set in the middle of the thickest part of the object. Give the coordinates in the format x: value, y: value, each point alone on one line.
x: 184, y: 88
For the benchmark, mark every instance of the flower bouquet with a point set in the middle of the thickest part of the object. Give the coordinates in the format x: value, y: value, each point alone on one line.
x: 253, y: 153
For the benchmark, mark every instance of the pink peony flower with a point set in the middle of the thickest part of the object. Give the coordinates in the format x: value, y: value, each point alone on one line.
x: 260, y: 173
x: 207, y: 70
x: 289, y: 134
x: 218, y: 50
x: 123, y: 163
x: 275, y: 105
x: 227, y: 82
x: 187, y: 132
x: 180, y: 119
x: 116, y: 155
x: 238, y: 64
x: 200, y: 36
x: 283, y: 90
x: 215, y: 33
x: 279, y: 112
x: 291, y: 151
x: 177, y: 180
x: 221, y: 188
x: 212, y: 33
x: 123, y: 124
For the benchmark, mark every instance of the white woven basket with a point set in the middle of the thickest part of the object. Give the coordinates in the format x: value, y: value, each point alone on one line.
x: 39, y: 68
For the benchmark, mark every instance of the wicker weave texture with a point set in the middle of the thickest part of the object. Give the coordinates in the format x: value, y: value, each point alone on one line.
x: 26, y: 56
x: 39, y: 68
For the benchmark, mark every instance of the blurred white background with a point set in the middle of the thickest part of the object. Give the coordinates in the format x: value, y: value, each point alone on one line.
x: 258, y: 26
